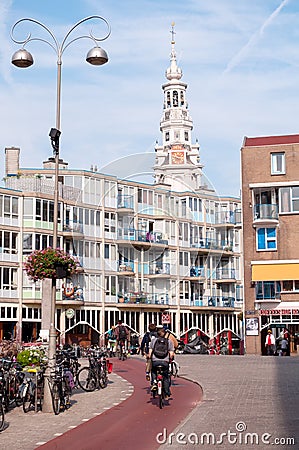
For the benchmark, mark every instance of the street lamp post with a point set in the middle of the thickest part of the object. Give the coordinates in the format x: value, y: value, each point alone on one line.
x: 22, y: 58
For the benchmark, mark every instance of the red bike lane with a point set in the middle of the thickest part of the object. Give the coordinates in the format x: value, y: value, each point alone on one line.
x: 136, y: 421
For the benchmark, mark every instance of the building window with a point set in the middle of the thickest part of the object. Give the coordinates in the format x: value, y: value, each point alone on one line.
x: 167, y: 136
x: 277, y: 163
x: 266, y: 239
x: 290, y: 285
x: 186, y: 135
x: 266, y: 290
x: 289, y: 199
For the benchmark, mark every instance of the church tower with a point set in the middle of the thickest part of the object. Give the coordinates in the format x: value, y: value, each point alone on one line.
x: 177, y: 159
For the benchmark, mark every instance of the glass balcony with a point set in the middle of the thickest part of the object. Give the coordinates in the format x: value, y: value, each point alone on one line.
x: 213, y: 244
x: 215, y: 301
x: 223, y: 273
x: 196, y: 271
x: 159, y: 269
x: 73, y: 227
x: 125, y: 201
x: 265, y: 212
x: 144, y: 298
x: 126, y: 266
x: 227, y: 217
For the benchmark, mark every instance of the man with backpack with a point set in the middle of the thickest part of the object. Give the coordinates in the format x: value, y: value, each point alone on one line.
x: 161, y: 351
x: 144, y: 347
x: 122, y: 335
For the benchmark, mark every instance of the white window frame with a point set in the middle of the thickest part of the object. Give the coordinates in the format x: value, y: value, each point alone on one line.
x: 274, y: 163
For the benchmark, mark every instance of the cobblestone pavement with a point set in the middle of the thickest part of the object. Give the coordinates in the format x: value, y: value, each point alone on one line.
x: 242, y: 395
x: 254, y: 397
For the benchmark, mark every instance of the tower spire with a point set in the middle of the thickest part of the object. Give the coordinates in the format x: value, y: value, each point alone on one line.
x: 177, y: 159
x: 173, y: 72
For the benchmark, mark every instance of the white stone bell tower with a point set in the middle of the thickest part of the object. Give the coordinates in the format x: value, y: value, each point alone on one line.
x: 177, y: 159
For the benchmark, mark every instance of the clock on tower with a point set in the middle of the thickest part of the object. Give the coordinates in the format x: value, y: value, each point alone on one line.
x: 177, y: 157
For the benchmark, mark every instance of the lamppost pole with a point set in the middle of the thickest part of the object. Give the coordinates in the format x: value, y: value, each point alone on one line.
x: 22, y: 58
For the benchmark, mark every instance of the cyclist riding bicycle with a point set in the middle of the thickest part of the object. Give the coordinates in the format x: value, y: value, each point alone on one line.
x: 144, y: 347
x: 122, y: 335
x: 161, y: 351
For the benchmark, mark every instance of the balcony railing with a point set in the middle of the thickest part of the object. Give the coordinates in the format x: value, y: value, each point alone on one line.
x: 213, y: 244
x: 159, y: 269
x: 208, y: 301
x: 126, y: 266
x: 265, y: 212
x: 131, y: 234
x: 73, y: 227
x: 125, y: 201
x: 228, y: 217
x: 225, y: 274
x: 196, y: 271
x: 144, y: 298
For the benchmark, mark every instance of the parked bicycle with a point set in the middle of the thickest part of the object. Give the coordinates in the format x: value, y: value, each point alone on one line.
x: 2, y: 389
x: 12, y: 379
x: 61, y: 388
x: 32, y: 389
x: 96, y: 375
x: 69, y: 361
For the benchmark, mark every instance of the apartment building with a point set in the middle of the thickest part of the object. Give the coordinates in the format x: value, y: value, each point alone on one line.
x: 163, y: 252
x: 270, y: 208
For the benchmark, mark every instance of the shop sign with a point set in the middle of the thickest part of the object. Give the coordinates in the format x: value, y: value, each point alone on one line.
x: 277, y: 312
x: 165, y: 318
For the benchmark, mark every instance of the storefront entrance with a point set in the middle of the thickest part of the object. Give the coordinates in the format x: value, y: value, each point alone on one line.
x: 289, y: 331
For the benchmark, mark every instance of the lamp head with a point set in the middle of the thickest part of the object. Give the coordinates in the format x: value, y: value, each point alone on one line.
x: 97, y: 56
x: 22, y: 58
x: 54, y: 133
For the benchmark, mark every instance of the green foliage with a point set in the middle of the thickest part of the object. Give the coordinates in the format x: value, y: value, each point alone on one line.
x: 33, y: 356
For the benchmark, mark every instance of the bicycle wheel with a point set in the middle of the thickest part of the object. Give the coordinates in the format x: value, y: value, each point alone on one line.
x: 87, y: 380
x: 27, y: 399
x: 2, y: 416
x: 103, y: 377
x: 67, y: 394
x: 55, y: 397
x: 18, y: 397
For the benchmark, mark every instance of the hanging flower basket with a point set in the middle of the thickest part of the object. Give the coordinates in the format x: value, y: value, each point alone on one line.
x: 50, y: 263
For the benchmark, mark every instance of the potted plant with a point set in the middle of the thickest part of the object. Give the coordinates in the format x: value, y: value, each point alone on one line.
x: 50, y: 263
x: 31, y: 357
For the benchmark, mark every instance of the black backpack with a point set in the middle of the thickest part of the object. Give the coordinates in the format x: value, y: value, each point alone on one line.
x: 148, y: 337
x: 160, y: 349
x: 122, y: 333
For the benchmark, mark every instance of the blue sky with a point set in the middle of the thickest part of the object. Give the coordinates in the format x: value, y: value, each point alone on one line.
x: 240, y: 60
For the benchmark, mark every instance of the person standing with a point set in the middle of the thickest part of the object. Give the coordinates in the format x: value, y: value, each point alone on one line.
x: 270, y: 343
x: 111, y: 341
x: 284, y: 346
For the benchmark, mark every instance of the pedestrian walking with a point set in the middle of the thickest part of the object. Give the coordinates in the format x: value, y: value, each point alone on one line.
x: 270, y: 343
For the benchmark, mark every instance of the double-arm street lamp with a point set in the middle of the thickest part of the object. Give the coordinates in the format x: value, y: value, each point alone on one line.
x: 22, y: 58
